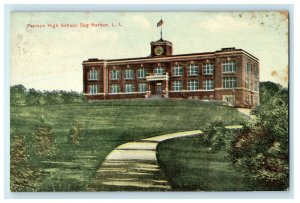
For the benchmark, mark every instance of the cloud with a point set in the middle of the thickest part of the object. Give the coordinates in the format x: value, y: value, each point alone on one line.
x: 141, y: 20
x: 225, y: 23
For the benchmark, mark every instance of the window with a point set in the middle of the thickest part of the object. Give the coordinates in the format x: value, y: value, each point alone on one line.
x: 141, y: 73
x: 159, y: 71
x: 247, y: 83
x: 256, y: 86
x: 177, y: 71
x: 142, y: 87
x: 193, y: 84
x: 229, y: 82
x: 208, y: 69
x: 247, y: 99
x: 177, y: 85
x: 115, y: 75
x: 229, y: 67
x: 208, y: 84
x: 93, y: 74
x: 114, y: 88
x: 255, y: 72
x: 193, y: 69
x: 128, y: 74
x: 93, y: 89
x: 128, y: 88
x: 248, y: 68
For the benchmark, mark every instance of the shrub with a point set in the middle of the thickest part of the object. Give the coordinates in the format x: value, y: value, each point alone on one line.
x: 74, y: 133
x: 261, y: 150
x: 22, y: 176
x: 44, y: 139
x: 217, y: 136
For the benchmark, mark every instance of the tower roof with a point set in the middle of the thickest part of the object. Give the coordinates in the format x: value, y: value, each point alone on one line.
x: 161, y: 41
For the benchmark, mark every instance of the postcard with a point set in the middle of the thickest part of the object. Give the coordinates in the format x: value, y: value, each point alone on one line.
x: 149, y: 101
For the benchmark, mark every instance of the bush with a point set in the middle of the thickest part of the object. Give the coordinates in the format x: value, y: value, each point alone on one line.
x: 218, y: 137
x: 261, y: 150
x: 44, y: 139
x: 74, y: 133
x: 20, y: 96
x: 22, y: 176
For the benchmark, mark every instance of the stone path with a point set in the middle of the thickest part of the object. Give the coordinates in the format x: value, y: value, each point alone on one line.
x: 133, y: 166
x: 244, y: 111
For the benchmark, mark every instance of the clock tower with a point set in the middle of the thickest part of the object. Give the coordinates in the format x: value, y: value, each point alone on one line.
x: 161, y: 48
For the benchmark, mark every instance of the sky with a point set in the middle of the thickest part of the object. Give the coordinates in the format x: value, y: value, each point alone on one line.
x: 45, y: 54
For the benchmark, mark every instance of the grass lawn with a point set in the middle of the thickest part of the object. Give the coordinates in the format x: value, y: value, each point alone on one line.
x: 191, y: 166
x: 105, y: 125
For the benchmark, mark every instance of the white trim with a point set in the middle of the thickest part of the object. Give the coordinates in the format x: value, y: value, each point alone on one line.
x: 88, y: 94
x: 153, y: 59
x: 126, y: 93
x: 237, y: 88
x: 201, y: 90
x: 157, y: 77
x: 170, y: 58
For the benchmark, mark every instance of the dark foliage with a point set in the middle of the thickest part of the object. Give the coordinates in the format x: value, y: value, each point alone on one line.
x: 22, y: 176
x: 74, y: 133
x: 261, y: 149
x: 44, y: 139
x: 20, y: 96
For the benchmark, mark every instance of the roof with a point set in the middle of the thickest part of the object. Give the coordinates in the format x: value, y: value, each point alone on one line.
x: 161, y: 41
x: 226, y: 50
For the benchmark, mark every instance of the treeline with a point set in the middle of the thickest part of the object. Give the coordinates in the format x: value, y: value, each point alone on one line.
x: 21, y: 96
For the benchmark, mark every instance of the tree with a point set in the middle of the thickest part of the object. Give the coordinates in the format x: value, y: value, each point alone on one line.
x: 22, y: 176
x: 18, y: 95
x: 74, y: 133
x: 261, y: 151
x: 44, y: 138
x: 35, y: 97
x: 53, y: 97
x: 268, y: 90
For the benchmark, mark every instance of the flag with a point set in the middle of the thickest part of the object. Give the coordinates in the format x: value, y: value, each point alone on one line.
x: 160, y: 23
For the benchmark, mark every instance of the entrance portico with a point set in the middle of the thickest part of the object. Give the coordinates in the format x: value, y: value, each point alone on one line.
x: 158, y: 85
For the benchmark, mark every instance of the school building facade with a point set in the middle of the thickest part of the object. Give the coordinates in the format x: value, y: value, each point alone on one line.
x: 230, y: 75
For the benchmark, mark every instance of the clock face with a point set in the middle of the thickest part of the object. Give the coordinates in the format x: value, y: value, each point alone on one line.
x: 158, y: 50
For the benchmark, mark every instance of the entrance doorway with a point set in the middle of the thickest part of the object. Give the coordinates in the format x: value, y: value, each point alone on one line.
x: 158, y: 88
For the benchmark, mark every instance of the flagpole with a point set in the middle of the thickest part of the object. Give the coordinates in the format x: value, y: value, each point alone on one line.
x: 161, y: 28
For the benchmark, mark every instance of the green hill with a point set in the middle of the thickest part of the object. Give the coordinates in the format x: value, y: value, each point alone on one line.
x: 105, y: 125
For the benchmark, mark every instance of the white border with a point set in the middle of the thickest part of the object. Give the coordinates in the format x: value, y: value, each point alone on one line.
x: 275, y: 196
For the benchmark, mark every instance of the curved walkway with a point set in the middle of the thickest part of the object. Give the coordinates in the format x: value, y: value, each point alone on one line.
x: 133, y: 166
